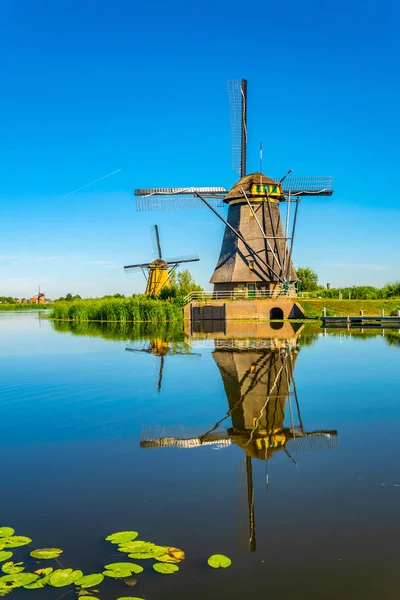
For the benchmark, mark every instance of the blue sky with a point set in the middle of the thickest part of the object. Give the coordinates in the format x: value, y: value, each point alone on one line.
x: 92, y: 87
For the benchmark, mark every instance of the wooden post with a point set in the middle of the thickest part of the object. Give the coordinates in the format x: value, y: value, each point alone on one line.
x: 398, y: 313
x: 383, y: 312
x: 348, y: 319
x: 324, y: 312
x: 361, y: 313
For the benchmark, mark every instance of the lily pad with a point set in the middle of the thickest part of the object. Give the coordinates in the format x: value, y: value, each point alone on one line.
x: 6, y: 531
x: 12, y: 568
x: 89, y: 598
x: 38, y: 584
x: 124, y: 566
x: 4, y: 555
x: 141, y: 546
x: 217, y: 561
x: 165, y: 568
x: 14, y: 581
x: 173, y: 555
x: 88, y: 581
x: 63, y: 577
x: 118, y: 574
x: 15, y: 541
x: 44, y: 553
x: 122, y: 536
x: 144, y: 550
x: 129, y: 598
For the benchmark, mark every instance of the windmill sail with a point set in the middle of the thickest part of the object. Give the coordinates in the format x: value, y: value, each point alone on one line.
x: 237, y: 90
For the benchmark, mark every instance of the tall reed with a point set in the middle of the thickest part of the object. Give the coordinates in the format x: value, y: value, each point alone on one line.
x: 123, y: 310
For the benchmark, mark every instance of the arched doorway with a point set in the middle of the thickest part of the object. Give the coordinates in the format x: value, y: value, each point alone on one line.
x: 276, y: 313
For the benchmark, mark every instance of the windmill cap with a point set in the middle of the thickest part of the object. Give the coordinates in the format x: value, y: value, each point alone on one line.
x: 160, y: 263
x: 246, y: 184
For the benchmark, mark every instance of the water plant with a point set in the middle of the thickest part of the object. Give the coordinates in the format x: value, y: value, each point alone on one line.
x: 217, y: 561
x: 165, y: 562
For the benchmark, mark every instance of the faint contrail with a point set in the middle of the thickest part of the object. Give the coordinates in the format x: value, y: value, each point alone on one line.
x: 91, y: 183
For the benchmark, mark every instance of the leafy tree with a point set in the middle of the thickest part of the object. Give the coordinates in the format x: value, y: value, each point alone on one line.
x: 308, y: 279
x: 186, y: 283
x: 169, y: 291
x: 391, y: 290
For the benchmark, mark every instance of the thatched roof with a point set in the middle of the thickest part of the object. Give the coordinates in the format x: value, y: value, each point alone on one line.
x: 246, y: 183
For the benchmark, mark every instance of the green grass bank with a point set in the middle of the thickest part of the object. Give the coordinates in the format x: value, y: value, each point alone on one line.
x: 22, y: 307
x: 123, y: 310
x: 343, y: 308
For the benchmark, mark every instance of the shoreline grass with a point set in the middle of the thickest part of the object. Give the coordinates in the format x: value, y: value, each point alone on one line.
x: 20, y: 307
x: 122, y: 310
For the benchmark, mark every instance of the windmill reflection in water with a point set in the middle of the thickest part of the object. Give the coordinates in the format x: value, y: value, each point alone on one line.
x: 160, y: 348
x: 264, y: 409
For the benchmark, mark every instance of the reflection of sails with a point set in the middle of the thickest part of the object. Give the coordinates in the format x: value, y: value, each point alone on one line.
x: 264, y: 410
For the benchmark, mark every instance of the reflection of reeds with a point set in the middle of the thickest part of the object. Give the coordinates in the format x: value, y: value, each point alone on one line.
x: 171, y: 332
x: 123, y: 310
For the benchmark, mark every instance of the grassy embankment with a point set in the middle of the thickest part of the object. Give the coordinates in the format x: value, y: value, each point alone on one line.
x: 343, y: 308
x: 18, y: 307
x: 143, y: 309
x: 124, y: 310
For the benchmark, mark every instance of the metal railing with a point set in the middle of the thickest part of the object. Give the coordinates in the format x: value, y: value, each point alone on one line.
x: 239, y: 294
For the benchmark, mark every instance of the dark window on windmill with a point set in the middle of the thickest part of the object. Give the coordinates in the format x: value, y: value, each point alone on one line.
x: 251, y: 264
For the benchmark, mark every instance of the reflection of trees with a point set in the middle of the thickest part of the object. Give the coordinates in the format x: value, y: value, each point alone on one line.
x: 391, y: 336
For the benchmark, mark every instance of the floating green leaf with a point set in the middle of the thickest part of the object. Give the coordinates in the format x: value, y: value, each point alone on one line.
x: 124, y: 566
x: 6, y: 531
x: 118, y: 574
x: 89, y: 598
x: 5, y: 555
x: 63, y: 577
x: 165, y: 568
x: 90, y: 580
x: 122, y: 536
x: 15, y: 541
x: 141, y: 546
x: 11, y: 568
x: 14, y: 581
x: 44, y: 553
x: 39, y: 583
x: 219, y: 560
x: 129, y: 598
x: 143, y: 550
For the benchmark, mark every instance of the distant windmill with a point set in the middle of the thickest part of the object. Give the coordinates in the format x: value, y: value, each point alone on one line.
x: 158, y: 271
x: 256, y: 253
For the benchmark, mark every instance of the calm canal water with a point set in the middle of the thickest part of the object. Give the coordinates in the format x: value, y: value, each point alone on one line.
x: 277, y: 447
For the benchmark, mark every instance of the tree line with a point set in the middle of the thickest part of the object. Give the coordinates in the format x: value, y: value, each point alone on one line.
x: 308, y: 282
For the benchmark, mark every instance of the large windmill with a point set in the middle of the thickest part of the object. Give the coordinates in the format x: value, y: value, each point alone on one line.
x: 157, y: 272
x: 256, y: 253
